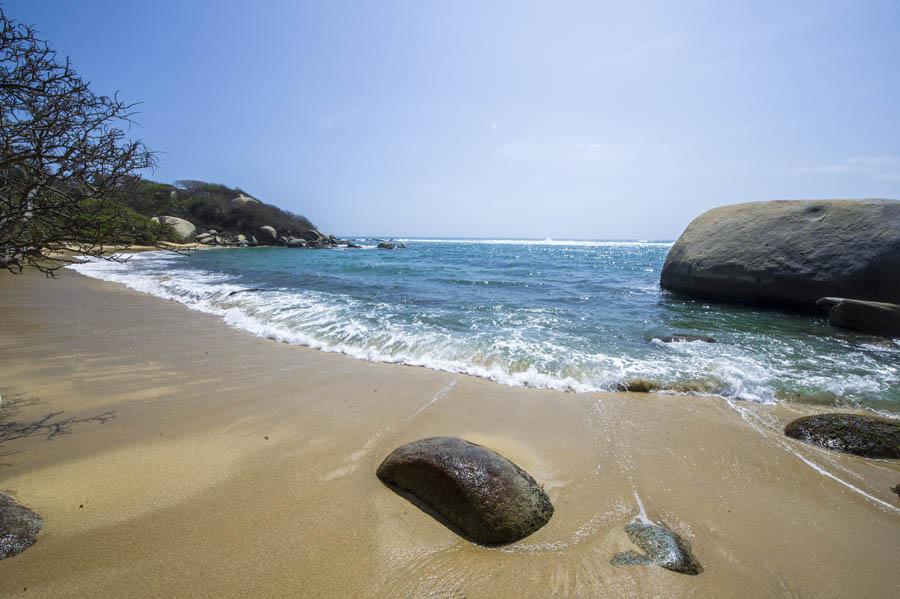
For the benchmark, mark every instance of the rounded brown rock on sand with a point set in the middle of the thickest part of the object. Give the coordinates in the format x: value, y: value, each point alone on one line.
x: 485, y: 496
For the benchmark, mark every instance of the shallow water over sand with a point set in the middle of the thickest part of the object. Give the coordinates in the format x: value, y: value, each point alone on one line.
x: 574, y: 315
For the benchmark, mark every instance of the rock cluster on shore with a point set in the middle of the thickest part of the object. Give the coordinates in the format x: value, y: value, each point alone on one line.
x: 267, y: 235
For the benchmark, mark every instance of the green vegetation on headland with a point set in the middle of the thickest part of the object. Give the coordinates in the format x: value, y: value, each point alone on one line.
x: 214, y: 207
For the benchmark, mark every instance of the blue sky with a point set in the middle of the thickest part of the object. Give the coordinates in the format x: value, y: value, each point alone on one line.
x: 508, y: 119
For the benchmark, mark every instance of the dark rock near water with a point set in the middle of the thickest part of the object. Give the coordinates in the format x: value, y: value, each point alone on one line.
x: 637, y: 386
x: 861, y: 435
x: 878, y: 318
x: 789, y: 253
x: 896, y: 490
x: 19, y: 527
x: 678, y: 338
x: 661, y: 546
x: 486, y: 497
x: 250, y: 290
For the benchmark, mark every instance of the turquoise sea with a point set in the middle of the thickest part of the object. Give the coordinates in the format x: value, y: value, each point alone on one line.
x: 572, y: 315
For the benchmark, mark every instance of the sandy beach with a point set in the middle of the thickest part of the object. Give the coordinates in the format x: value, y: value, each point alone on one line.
x: 173, y: 456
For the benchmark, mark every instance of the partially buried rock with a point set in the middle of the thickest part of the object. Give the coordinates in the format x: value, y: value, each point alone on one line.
x: 858, y: 434
x: 19, y: 527
x: 661, y: 546
x: 479, y: 492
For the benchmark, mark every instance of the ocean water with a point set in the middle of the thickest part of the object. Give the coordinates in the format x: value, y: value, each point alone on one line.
x: 572, y: 315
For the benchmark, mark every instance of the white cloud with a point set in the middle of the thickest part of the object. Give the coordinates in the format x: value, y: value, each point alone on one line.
x: 876, y: 167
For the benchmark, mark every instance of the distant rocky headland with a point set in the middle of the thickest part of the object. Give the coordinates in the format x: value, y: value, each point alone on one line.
x: 216, y: 215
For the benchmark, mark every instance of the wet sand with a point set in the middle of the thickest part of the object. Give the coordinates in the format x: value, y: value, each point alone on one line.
x: 172, y: 456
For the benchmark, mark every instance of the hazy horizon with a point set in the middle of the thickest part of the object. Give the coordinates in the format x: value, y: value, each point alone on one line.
x: 515, y: 120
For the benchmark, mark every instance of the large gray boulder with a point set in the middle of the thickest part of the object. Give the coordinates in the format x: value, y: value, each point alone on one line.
x: 19, y: 527
x: 488, y: 498
x: 878, y: 318
x: 789, y: 253
x: 266, y: 235
x: 183, y: 228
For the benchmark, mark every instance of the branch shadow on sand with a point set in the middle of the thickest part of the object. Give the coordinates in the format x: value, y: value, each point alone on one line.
x: 49, y: 426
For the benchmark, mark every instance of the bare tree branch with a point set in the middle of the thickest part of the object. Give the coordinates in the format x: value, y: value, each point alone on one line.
x: 65, y: 159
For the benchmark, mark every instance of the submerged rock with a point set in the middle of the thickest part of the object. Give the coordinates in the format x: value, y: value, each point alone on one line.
x: 19, y: 527
x: 661, y: 546
x: 858, y: 434
x: 879, y: 318
x: 789, y: 253
x: 683, y: 338
x: 479, y: 492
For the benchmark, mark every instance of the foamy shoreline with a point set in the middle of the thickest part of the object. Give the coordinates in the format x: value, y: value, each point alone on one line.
x: 744, y: 368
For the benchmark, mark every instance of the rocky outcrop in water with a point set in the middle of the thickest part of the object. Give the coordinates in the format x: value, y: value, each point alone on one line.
x: 789, y: 253
x: 19, y: 527
x: 866, y: 436
x: 878, y: 318
x: 183, y: 228
x: 486, y: 497
x: 685, y: 338
x: 661, y: 546
x: 390, y: 245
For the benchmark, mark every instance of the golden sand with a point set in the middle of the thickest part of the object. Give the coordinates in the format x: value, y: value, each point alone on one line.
x: 181, y: 458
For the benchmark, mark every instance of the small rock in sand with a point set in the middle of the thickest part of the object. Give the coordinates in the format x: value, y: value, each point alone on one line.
x: 661, y: 546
